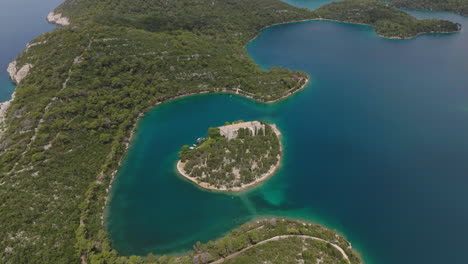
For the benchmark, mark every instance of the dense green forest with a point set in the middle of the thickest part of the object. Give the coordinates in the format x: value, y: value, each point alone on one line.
x: 71, y: 121
x: 239, y: 20
x: 387, y: 21
x: 456, y: 6
x: 212, y: 17
x: 226, y: 163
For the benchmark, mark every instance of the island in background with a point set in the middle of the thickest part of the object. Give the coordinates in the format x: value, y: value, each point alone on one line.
x: 235, y: 157
x: 457, y: 6
x: 387, y: 21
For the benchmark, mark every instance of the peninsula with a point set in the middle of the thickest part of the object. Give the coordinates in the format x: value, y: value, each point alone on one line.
x: 234, y: 157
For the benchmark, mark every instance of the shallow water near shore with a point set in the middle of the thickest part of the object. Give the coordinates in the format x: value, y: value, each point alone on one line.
x: 375, y: 147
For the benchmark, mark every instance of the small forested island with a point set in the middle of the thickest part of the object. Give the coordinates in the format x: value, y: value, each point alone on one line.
x: 387, y: 21
x: 234, y: 157
x: 456, y: 6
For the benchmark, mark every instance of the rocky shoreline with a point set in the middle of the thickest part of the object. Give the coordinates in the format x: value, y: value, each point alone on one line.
x: 57, y: 18
x: 18, y: 75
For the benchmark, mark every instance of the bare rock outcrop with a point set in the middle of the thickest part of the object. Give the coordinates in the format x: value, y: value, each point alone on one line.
x: 18, y: 75
x: 57, y: 18
x: 3, y: 110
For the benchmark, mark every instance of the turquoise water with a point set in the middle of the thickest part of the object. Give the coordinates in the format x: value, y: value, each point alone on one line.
x: 375, y: 147
x: 20, y: 22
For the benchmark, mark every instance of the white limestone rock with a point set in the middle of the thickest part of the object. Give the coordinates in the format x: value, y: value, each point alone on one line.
x: 58, y: 19
x: 18, y: 75
x: 3, y: 110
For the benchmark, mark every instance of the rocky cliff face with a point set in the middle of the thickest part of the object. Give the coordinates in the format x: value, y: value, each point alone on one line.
x: 18, y: 75
x: 58, y: 19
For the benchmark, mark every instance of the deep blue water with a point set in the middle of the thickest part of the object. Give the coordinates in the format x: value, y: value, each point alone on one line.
x: 384, y: 132
x: 20, y: 22
x: 375, y: 147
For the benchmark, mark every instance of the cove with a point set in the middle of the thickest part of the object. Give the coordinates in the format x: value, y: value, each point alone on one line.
x: 375, y: 147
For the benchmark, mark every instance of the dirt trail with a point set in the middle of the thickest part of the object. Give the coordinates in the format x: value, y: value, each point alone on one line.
x: 276, y: 238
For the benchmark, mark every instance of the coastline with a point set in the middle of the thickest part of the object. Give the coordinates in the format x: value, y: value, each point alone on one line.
x: 349, y: 22
x: 238, y: 92
x: 265, y: 176
x: 127, y: 143
x: 248, y: 95
x: 3, y: 111
x: 16, y: 79
x: 58, y: 19
x: 289, y: 94
x: 387, y: 37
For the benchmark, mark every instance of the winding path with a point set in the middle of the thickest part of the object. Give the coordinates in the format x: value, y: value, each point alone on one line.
x: 276, y: 238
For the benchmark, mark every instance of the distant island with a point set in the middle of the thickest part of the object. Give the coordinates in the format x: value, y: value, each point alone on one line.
x: 234, y: 157
x: 387, y: 21
x: 456, y: 6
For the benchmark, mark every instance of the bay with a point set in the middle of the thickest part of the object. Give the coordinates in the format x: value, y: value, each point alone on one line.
x: 375, y: 147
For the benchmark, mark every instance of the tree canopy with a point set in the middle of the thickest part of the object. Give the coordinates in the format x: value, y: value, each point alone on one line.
x: 227, y: 163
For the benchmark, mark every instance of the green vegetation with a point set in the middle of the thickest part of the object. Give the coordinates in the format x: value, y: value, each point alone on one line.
x: 73, y: 114
x: 293, y: 249
x: 387, y: 21
x: 227, y: 163
x: 276, y: 241
x: 71, y: 121
x: 456, y: 6
x: 236, y: 20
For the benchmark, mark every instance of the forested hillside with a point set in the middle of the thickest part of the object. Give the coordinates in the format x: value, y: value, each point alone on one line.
x: 231, y: 163
x: 387, y: 21
x: 70, y: 123
x: 241, y: 19
x: 456, y: 6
